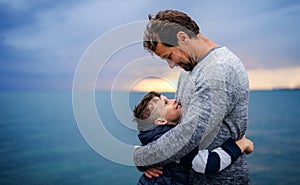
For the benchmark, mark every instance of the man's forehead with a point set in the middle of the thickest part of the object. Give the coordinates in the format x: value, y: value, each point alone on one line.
x: 161, y: 50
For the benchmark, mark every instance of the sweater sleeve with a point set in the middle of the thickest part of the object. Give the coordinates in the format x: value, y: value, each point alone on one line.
x: 209, y: 162
x: 199, y: 124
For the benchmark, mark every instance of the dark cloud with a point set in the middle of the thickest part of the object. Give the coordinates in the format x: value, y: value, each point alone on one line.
x: 45, y: 39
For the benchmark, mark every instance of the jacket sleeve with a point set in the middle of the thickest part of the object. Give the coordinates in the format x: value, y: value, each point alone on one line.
x: 200, y: 124
x: 209, y: 162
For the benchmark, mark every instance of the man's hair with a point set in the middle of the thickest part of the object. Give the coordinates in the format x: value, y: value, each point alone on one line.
x: 142, y: 110
x: 165, y: 26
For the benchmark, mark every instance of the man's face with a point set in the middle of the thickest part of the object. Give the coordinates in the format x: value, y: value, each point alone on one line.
x: 175, y: 57
x: 170, y: 110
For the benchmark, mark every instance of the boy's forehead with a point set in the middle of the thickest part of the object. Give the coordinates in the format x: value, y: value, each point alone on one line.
x: 156, y: 98
x: 156, y: 106
x: 155, y: 101
x: 161, y: 97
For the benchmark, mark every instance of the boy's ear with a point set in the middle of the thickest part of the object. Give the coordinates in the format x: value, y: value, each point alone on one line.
x: 160, y: 121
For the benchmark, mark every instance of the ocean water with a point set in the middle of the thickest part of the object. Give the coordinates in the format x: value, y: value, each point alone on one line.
x: 41, y: 144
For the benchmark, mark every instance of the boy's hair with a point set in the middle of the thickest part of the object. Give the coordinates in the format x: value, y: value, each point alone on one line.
x: 165, y: 26
x: 143, y: 111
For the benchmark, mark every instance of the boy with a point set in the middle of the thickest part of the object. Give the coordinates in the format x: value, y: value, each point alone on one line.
x: 155, y: 115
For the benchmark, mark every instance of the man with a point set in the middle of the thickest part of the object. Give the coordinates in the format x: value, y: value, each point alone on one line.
x: 214, y: 87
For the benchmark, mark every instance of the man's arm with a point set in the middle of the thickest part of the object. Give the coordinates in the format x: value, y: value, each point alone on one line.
x: 201, y: 120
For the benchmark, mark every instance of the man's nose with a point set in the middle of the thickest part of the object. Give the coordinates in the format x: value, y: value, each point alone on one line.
x: 171, y: 64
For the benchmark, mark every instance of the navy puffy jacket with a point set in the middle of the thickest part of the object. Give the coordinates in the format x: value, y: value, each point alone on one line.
x: 173, y: 173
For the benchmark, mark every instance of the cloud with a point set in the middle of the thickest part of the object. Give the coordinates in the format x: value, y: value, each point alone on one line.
x: 48, y: 38
x: 132, y: 65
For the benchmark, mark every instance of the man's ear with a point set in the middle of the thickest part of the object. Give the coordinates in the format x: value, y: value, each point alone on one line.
x: 160, y: 121
x: 182, y: 37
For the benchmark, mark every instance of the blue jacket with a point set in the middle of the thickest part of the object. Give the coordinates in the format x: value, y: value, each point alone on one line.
x: 175, y: 173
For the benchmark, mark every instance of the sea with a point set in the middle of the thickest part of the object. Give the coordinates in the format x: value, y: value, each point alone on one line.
x: 41, y: 143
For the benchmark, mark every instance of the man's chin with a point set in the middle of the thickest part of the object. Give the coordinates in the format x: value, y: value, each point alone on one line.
x: 187, y: 68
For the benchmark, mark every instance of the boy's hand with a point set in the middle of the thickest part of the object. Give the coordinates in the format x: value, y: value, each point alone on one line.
x: 153, y: 172
x: 246, y: 145
x: 250, y: 147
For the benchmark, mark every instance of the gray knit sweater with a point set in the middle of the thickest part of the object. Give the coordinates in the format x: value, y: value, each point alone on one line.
x: 214, y: 97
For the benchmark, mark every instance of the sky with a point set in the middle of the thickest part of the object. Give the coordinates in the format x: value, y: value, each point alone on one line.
x: 42, y: 42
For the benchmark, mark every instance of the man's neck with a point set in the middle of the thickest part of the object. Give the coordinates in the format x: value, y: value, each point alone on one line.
x: 210, y: 44
x: 204, y: 46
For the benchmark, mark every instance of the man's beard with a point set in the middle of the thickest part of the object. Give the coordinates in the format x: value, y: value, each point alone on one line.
x: 190, y: 65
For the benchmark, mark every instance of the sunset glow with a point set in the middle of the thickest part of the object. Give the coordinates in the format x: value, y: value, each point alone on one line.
x: 263, y: 79
x: 259, y: 79
x: 154, y: 84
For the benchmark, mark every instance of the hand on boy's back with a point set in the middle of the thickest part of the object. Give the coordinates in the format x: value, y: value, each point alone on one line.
x: 150, y: 172
x: 153, y: 172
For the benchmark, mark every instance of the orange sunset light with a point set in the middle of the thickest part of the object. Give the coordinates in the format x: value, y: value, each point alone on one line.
x: 154, y: 84
x: 260, y: 79
x: 267, y: 79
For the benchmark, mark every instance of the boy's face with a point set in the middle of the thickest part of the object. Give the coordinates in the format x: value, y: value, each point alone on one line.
x: 170, y: 110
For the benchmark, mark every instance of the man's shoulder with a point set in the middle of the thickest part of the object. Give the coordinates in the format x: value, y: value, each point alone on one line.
x: 221, y: 65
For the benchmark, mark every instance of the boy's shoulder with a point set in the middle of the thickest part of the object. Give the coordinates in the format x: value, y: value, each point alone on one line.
x: 151, y: 135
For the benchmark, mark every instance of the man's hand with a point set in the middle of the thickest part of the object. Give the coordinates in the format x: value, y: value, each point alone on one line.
x: 153, y: 172
x: 150, y: 172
